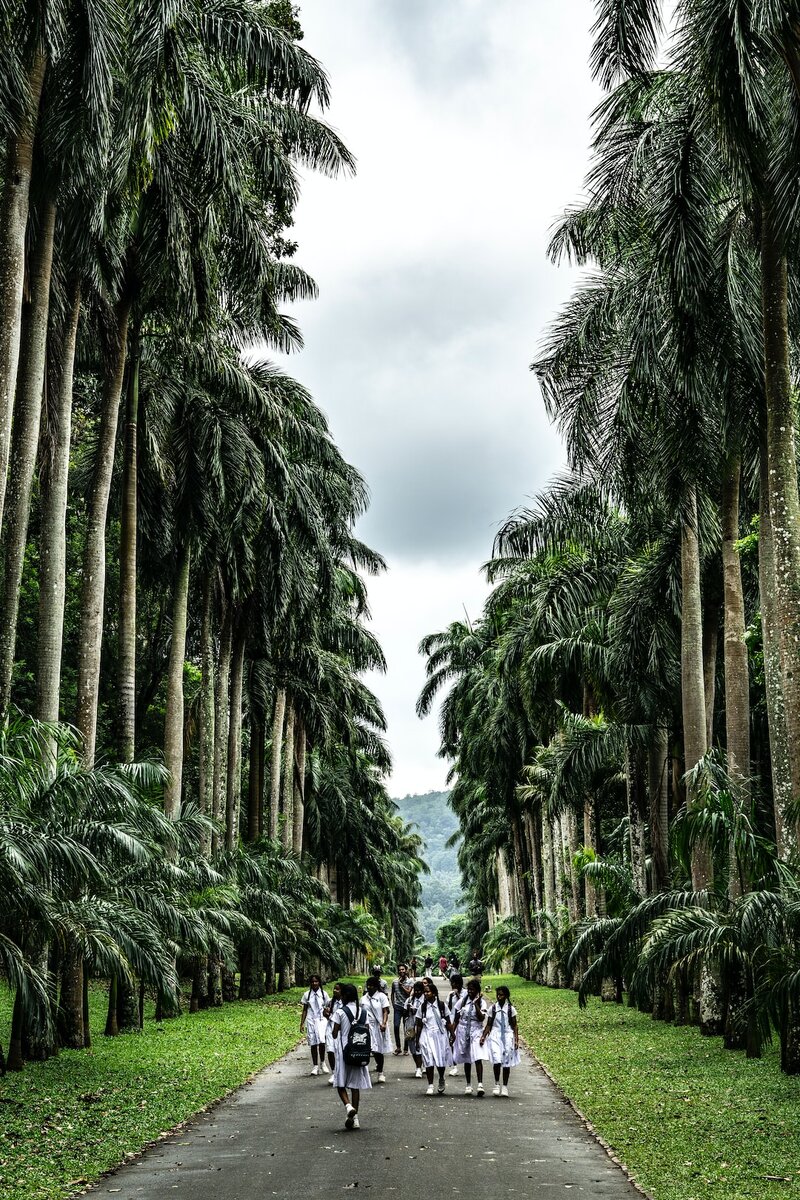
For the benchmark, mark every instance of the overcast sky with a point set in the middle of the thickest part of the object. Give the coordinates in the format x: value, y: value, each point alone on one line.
x: 470, y: 123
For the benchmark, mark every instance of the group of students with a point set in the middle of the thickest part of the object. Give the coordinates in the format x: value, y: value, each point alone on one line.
x: 464, y: 1030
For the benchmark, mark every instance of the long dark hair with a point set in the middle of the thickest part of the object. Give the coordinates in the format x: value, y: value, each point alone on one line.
x: 348, y: 995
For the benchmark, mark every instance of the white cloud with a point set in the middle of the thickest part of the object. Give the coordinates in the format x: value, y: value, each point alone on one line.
x: 469, y: 119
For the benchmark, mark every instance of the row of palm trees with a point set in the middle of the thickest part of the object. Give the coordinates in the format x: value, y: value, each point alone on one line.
x: 181, y: 581
x: 623, y: 720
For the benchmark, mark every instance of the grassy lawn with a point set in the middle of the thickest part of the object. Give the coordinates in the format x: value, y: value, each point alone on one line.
x: 64, y: 1122
x: 689, y: 1119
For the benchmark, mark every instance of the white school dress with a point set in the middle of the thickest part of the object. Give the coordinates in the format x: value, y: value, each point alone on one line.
x: 330, y: 1045
x: 501, y: 1039
x: 467, y: 1047
x: 316, y: 1023
x: 453, y: 1001
x: 373, y: 1008
x: 345, y: 1075
x: 434, y: 1043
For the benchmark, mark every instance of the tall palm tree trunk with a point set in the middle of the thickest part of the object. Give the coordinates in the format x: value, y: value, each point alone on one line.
x: 255, y: 781
x: 773, y: 678
x: 589, y: 841
x: 693, y: 702
x: 549, y: 873
x: 658, y: 761
x: 233, y: 790
x: 27, y: 420
x: 710, y: 648
x: 278, y: 719
x: 288, y: 777
x: 206, y: 745
x: 221, y: 724
x: 174, y: 718
x: 127, y: 566
x: 14, y: 204
x: 298, y: 823
x: 737, y: 672
x: 53, y: 545
x: 90, y: 640
x: 784, y: 503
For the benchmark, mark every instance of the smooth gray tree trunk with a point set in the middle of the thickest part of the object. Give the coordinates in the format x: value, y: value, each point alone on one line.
x: 174, y: 718
x: 278, y: 719
x: 221, y: 724
x: 93, y: 593
x: 233, y: 790
x: 25, y: 441
x: 14, y: 204
x: 127, y: 566
x: 693, y: 702
x: 206, y: 742
x: 288, y: 777
x: 53, y: 540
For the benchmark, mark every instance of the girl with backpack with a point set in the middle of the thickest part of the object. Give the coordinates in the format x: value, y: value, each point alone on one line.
x: 433, y: 1036
x: 375, y: 1007
x: 502, y: 1033
x: 457, y: 993
x: 467, y: 1027
x: 412, y: 1006
x: 349, y: 1079
x: 313, y: 1021
x: 328, y: 1011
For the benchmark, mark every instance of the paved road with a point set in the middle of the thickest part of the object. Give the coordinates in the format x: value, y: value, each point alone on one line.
x: 283, y: 1135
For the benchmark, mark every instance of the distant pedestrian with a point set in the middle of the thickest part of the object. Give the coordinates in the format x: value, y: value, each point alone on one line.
x: 413, y: 967
x: 350, y: 1081
x: 458, y: 993
x: 329, y: 1011
x: 399, y: 993
x: 413, y: 1005
x: 467, y: 1028
x: 375, y: 1007
x: 428, y: 966
x: 502, y: 1034
x: 377, y: 974
x: 475, y: 965
x: 443, y: 965
x: 433, y: 1036
x: 313, y: 1022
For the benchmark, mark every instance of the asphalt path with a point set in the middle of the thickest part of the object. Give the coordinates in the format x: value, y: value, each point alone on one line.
x: 283, y: 1135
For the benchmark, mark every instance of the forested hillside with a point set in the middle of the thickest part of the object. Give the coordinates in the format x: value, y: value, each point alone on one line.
x: 441, y: 890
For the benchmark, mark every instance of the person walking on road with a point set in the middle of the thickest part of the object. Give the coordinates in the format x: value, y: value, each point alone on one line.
x: 443, y: 965
x: 433, y: 1036
x: 329, y: 1010
x: 502, y: 1033
x: 412, y: 967
x: 313, y: 1021
x: 428, y: 966
x: 400, y: 991
x: 350, y: 1081
x: 375, y: 1007
x: 413, y: 1005
x: 457, y: 993
x: 467, y: 1027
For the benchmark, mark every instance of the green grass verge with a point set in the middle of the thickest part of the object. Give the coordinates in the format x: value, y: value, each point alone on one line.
x: 690, y: 1120
x: 66, y: 1121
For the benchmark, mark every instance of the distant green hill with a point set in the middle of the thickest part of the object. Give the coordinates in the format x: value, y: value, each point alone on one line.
x: 441, y: 890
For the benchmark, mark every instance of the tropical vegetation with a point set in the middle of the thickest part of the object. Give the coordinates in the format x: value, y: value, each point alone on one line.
x: 192, y: 796
x: 622, y: 720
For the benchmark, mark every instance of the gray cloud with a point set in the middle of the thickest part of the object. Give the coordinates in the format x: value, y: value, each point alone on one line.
x: 470, y: 122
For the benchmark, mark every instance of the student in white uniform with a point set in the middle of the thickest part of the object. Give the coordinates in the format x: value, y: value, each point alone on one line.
x: 376, y: 1008
x: 502, y: 1033
x: 457, y: 993
x: 348, y: 1078
x: 313, y: 1022
x: 433, y: 1036
x: 466, y: 1033
x: 328, y: 1011
x: 412, y: 1005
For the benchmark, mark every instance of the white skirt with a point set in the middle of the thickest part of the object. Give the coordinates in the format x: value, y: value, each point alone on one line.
x: 316, y: 1029
x: 344, y: 1074
x: 381, y: 1042
x: 435, y: 1048
x: 502, y: 1054
x: 467, y: 1047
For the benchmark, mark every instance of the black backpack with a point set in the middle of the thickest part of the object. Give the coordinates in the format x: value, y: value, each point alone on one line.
x: 358, y: 1047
